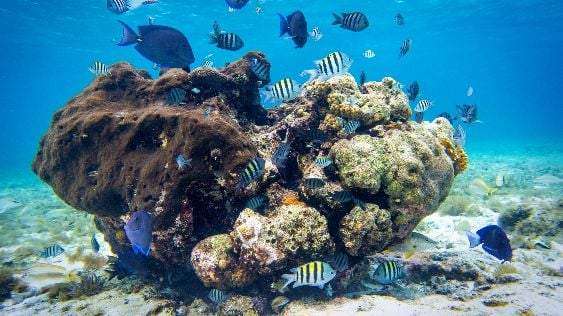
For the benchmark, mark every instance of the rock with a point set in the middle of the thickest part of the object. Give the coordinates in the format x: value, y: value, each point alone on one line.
x: 260, y: 245
x: 239, y: 305
x: 112, y: 150
x: 366, y: 231
x: 530, y: 226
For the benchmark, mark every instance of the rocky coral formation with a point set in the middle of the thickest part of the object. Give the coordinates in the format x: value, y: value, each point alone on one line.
x: 532, y: 226
x: 112, y: 150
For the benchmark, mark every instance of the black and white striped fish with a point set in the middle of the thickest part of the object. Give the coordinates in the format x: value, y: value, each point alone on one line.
x: 224, y: 40
x: 253, y: 170
x: 459, y: 136
x: 405, y: 47
x: 176, y: 96
x: 351, y: 126
x: 316, y: 273
x: 217, y: 296
x: 323, y: 161
x: 316, y: 34
x: 255, y: 203
x: 314, y: 183
x: 387, y: 272
x: 342, y: 196
x: 52, y: 251
x: 355, y: 21
x: 333, y: 64
x: 122, y: 6
x: 260, y: 69
x: 369, y: 54
x: 422, y: 105
x: 99, y: 69
x: 279, y: 158
x: 340, y: 262
x: 284, y: 90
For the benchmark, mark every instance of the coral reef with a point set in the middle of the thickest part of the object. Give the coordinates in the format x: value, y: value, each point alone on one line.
x: 113, y: 150
x: 532, y: 225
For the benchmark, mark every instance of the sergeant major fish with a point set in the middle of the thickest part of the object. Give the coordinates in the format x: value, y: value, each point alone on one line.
x: 280, y: 155
x: 323, y: 161
x: 422, y: 106
x: 387, y: 272
x: 255, y: 203
x: 314, y: 273
x: 217, y: 296
x: 122, y: 6
x: 335, y: 63
x: 99, y: 69
x: 405, y: 47
x: 355, y: 21
x: 176, y: 96
x: 52, y: 251
x: 284, y: 90
x: 224, y: 40
x: 253, y: 170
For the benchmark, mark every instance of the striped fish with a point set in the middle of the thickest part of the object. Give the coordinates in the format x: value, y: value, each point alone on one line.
x: 316, y: 34
x: 418, y: 117
x: 387, y: 272
x: 51, y: 251
x: 323, y: 161
x: 459, y: 136
x: 355, y: 21
x: 224, y: 40
x: 314, y: 183
x: 413, y: 90
x: 217, y: 296
x: 255, y: 203
x: 422, y: 106
x: 340, y: 262
x: 342, y: 196
x: 351, y: 126
x: 369, y: 54
x: 176, y: 96
x: 499, y: 180
x: 279, y: 158
x: 254, y: 169
x: 122, y: 6
x: 99, y: 69
x: 284, y: 90
x: 336, y: 63
x: 314, y: 273
x: 260, y: 69
x: 405, y: 47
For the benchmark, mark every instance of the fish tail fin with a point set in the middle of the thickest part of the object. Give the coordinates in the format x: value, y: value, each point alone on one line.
x: 289, y: 278
x: 312, y: 73
x: 337, y: 19
x: 474, y: 239
x: 128, y: 36
x: 284, y: 25
x: 134, y: 4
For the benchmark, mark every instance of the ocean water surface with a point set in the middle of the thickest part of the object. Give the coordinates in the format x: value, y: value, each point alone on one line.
x: 509, y: 52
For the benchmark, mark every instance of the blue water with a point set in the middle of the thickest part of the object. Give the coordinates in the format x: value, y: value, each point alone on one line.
x: 509, y: 51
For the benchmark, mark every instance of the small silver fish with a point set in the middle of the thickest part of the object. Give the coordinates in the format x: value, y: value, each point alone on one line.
x: 369, y: 54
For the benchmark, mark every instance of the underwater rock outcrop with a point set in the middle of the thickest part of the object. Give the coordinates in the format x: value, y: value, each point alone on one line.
x: 113, y: 150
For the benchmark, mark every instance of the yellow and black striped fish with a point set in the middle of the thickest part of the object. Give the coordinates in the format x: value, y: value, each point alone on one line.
x: 253, y: 170
x: 315, y: 273
x: 387, y: 272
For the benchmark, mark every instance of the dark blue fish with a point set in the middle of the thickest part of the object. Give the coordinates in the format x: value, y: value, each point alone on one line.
x: 295, y: 25
x: 139, y: 232
x: 467, y: 113
x: 399, y: 19
x: 413, y: 90
x: 279, y: 158
x: 95, y: 244
x: 236, y: 4
x: 52, y: 251
x: 494, y: 241
x: 255, y: 203
x: 163, y: 45
x: 254, y: 169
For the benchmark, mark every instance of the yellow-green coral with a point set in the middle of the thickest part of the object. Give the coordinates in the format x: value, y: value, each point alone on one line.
x: 457, y: 154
